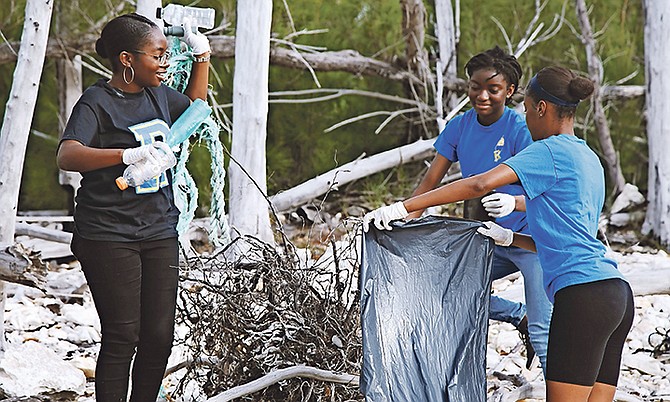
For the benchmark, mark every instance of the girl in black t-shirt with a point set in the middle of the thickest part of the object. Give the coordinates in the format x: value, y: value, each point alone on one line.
x: 126, y: 241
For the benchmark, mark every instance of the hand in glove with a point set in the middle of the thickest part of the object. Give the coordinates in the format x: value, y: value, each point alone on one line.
x: 137, y: 154
x: 502, y: 236
x: 384, y: 215
x: 499, y: 204
x: 167, y: 159
x: 198, y: 42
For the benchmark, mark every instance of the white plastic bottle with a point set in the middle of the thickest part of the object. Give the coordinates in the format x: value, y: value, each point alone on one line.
x: 138, y: 173
x: 174, y: 14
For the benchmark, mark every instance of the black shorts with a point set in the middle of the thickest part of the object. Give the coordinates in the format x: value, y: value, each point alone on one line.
x: 588, y: 329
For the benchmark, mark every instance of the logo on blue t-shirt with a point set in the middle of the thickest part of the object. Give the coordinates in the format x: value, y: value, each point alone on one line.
x: 498, y: 149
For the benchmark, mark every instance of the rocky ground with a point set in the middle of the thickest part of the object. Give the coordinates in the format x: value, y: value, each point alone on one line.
x: 52, y: 341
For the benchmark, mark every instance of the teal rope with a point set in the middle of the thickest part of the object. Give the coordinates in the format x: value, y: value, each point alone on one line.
x: 184, y: 187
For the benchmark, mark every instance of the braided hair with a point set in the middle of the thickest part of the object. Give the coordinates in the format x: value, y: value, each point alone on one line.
x: 562, y: 87
x: 123, y: 33
x: 502, y: 62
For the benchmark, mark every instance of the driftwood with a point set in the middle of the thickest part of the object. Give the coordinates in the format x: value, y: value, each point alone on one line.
x: 349, y: 172
x: 43, y: 233
x: 21, y: 266
x: 285, y: 374
x: 644, y: 280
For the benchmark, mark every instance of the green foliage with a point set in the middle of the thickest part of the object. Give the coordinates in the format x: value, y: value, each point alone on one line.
x: 298, y: 148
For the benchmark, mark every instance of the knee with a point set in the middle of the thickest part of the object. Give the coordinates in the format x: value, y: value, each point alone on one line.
x: 121, y: 340
x: 159, y: 339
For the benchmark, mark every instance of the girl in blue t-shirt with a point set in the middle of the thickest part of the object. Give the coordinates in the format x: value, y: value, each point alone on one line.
x: 481, y: 139
x: 564, y: 186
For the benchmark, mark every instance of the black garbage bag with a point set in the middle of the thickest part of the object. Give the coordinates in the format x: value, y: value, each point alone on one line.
x: 424, y: 311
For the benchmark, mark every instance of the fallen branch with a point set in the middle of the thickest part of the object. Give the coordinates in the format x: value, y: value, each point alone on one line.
x: 43, y: 233
x: 285, y: 374
x: 644, y: 280
x: 21, y: 266
x: 349, y: 172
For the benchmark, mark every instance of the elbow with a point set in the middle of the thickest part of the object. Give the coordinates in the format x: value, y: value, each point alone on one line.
x: 61, y: 161
x: 481, y: 186
x: 64, y: 160
x: 63, y: 164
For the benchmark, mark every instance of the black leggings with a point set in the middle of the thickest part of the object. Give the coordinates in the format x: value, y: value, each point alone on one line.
x: 134, y: 287
x: 588, y: 330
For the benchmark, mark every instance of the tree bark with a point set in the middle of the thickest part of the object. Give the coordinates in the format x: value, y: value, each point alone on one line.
x: 657, y: 77
x: 595, y: 67
x: 18, y: 265
x: 281, y: 375
x: 248, y: 188
x: 413, y: 30
x: 19, y: 112
x: 349, y: 172
x: 445, y: 30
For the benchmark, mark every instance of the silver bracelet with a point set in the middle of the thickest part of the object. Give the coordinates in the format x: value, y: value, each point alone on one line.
x: 202, y: 59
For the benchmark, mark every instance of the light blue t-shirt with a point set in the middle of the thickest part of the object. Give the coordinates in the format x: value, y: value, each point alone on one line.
x: 565, y: 191
x: 481, y: 148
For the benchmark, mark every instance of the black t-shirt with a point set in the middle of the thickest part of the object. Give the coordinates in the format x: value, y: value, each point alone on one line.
x: 107, y: 118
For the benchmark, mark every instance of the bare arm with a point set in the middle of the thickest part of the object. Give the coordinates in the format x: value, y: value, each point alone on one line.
x: 197, y: 84
x: 463, y: 189
x: 77, y: 157
x: 438, y: 168
x: 520, y: 203
x: 473, y: 187
x: 524, y: 241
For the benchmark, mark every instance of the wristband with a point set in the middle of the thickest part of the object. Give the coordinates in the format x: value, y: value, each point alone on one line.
x: 203, y: 59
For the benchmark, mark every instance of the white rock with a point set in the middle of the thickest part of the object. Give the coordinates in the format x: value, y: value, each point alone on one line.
x: 644, y: 363
x: 30, y: 368
x: 80, y: 315
x: 28, y: 316
x: 630, y: 196
x: 86, y: 364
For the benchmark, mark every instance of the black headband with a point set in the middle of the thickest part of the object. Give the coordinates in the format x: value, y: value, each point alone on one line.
x: 541, y: 93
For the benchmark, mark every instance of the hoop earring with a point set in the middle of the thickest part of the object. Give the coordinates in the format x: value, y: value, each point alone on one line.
x: 132, y: 74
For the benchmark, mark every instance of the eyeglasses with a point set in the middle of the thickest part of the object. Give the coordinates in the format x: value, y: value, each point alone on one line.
x: 162, y: 59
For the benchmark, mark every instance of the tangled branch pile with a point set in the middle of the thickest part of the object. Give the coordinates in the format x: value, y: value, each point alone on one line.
x: 273, y: 308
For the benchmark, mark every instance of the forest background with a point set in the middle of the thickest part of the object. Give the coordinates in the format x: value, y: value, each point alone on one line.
x: 298, y: 146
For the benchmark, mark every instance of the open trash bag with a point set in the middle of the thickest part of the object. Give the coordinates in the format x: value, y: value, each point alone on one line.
x: 425, y: 289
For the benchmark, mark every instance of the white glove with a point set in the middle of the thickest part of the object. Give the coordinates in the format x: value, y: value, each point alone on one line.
x: 502, y: 236
x: 198, y: 42
x: 137, y: 154
x: 384, y: 215
x: 167, y: 159
x: 499, y: 204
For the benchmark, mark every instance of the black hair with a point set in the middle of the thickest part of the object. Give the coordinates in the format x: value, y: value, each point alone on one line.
x: 563, y: 84
x: 502, y: 62
x: 125, y: 32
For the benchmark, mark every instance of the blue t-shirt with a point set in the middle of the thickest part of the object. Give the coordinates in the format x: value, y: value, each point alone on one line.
x: 481, y: 148
x: 565, y: 191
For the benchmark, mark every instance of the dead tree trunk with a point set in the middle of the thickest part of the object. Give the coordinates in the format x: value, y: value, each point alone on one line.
x: 595, y: 67
x: 19, y: 112
x: 657, y: 77
x: 248, y: 188
x: 445, y: 30
x: 413, y: 31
